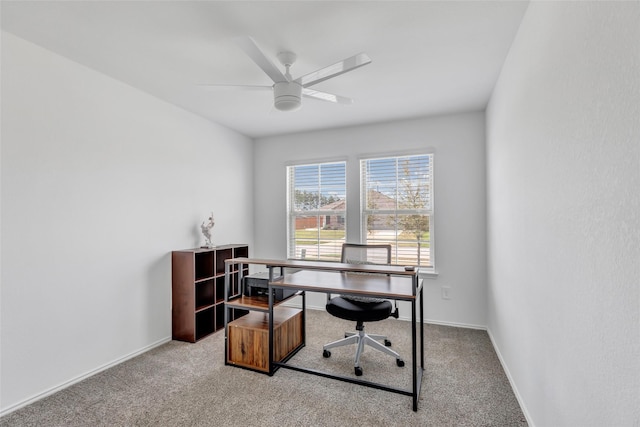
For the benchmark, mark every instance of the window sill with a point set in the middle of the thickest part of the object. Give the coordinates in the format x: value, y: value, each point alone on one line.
x: 427, y: 273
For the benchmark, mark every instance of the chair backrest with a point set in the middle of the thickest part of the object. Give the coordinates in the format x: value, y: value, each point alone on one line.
x: 355, y: 253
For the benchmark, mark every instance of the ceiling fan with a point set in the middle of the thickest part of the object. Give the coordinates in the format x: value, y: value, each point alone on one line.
x: 288, y: 92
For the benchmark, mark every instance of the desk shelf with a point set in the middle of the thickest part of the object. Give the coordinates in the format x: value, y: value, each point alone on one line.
x: 258, y: 303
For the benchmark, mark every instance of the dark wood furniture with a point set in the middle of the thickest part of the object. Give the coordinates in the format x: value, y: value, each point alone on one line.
x: 391, y: 282
x: 197, y: 287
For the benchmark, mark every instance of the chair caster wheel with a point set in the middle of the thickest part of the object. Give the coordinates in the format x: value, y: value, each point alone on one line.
x: 387, y: 343
x: 326, y: 353
x: 358, y: 371
x: 400, y: 362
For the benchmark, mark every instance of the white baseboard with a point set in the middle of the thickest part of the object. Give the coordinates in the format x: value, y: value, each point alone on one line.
x: 79, y: 378
x: 455, y: 324
x: 505, y: 368
x: 407, y: 319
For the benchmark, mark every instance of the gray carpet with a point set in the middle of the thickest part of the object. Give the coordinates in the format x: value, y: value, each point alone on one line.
x: 182, y: 384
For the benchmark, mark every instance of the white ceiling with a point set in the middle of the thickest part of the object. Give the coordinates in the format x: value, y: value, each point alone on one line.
x: 428, y: 57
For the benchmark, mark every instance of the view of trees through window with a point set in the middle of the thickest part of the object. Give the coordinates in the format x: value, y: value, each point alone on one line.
x: 308, y: 200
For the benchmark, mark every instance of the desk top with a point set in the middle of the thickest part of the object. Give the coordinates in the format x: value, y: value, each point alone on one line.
x: 372, y: 280
x: 370, y: 285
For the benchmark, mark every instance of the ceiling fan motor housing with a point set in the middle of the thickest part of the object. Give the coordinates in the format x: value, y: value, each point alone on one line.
x: 287, y: 96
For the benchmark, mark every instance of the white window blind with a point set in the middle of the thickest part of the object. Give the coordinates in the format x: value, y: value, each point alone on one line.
x: 316, y: 206
x: 397, y: 206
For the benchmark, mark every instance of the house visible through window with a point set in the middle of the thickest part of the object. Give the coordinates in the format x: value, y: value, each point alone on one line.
x: 397, y: 206
x: 316, y: 210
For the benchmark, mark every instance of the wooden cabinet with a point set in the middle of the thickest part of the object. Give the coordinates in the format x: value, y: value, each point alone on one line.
x: 198, y: 279
x: 248, y: 344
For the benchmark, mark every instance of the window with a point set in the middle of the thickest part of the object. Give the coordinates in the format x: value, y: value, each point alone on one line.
x: 397, y: 206
x: 316, y: 206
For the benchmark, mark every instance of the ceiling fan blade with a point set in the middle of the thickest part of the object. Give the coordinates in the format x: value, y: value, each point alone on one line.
x: 249, y: 46
x: 244, y: 87
x: 329, y: 97
x: 336, y: 69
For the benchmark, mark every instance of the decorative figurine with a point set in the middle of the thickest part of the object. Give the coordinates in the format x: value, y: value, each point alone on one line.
x: 206, y: 231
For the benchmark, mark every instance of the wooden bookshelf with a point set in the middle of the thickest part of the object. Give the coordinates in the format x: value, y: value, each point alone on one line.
x: 197, y: 286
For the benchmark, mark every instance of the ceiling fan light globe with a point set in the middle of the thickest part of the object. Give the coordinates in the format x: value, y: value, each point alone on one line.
x: 287, y: 103
x: 287, y: 96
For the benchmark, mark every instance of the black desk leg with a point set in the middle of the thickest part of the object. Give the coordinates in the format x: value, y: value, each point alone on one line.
x: 304, y: 318
x: 414, y: 360
x: 270, y: 292
x: 226, y: 312
x: 421, y: 329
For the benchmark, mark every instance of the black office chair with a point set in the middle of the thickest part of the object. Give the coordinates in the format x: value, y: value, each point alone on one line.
x: 362, y: 309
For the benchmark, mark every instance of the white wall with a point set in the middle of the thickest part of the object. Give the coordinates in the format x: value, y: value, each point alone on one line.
x: 563, y: 172
x: 460, y: 207
x: 99, y: 183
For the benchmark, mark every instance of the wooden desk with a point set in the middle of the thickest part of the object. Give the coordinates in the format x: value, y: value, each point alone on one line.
x: 390, y: 282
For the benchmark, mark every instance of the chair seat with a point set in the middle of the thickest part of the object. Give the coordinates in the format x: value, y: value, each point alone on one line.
x: 359, y: 311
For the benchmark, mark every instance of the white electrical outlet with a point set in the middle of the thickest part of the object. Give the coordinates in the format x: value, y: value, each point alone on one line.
x: 446, y: 292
